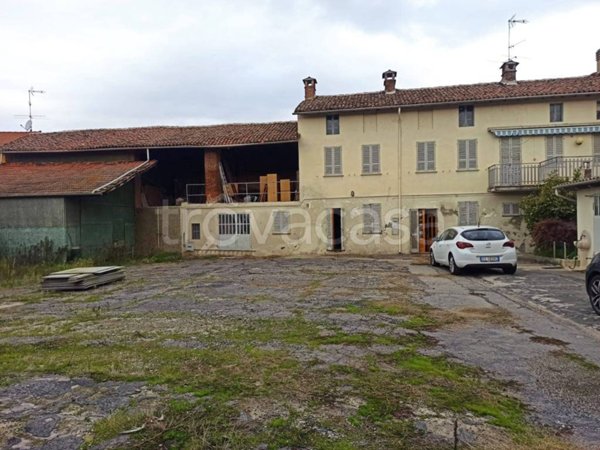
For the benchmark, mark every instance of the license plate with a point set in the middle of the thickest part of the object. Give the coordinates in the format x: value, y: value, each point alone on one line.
x: 489, y: 258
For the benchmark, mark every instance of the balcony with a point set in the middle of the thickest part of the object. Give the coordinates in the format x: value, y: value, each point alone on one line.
x: 528, y: 176
x: 248, y: 192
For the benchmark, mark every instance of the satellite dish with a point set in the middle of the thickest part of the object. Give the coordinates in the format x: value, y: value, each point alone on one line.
x: 28, y: 125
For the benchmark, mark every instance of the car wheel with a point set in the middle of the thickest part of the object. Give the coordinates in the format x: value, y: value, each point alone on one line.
x: 594, y: 293
x: 454, y: 269
x: 432, y: 260
x: 510, y: 270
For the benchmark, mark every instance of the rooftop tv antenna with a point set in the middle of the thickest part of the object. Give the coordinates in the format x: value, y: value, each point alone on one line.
x: 511, y: 23
x: 29, y: 124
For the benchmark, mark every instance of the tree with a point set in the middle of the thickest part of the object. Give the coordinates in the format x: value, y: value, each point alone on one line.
x: 545, y: 204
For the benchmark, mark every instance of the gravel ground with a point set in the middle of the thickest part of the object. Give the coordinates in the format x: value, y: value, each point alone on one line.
x: 196, y: 300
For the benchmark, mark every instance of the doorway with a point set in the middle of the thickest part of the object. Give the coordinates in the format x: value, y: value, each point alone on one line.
x: 336, y: 238
x: 423, y: 229
x: 234, y: 232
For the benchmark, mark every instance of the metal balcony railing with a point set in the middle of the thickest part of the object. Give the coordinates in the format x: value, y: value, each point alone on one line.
x: 246, y: 192
x: 530, y: 175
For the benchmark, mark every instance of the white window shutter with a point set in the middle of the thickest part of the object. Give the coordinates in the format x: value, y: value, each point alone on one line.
x: 375, y: 162
x: 431, y: 156
x: 421, y: 156
x: 366, y: 159
x: 462, y: 213
x: 376, y: 209
x: 328, y: 160
x: 473, y: 213
x: 472, y: 154
x: 462, y: 154
x: 367, y: 220
x: 337, y: 160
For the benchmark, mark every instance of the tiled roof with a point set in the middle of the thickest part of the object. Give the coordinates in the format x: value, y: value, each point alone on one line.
x: 153, y: 137
x: 467, y: 93
x: 61, y: 179
x: 580, y: 184
x: 9, y: 136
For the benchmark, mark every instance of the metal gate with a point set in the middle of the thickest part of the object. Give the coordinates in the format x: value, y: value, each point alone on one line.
x: 234, y: 231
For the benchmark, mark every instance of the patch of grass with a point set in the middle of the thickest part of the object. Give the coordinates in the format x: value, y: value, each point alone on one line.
x: 18, y: 275
x: 163, y: 257
x: 577, y: 359
x: 115, y: 424
x: 420, y: 322
x: 459, y: 388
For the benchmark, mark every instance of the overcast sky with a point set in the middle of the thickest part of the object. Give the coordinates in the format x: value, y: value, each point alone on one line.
x: 120, y: 63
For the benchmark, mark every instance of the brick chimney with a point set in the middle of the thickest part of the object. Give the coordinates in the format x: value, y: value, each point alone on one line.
x: 598, y: 61
x: 509, y: 72
x: 389, y: 81
x: 310, y: 88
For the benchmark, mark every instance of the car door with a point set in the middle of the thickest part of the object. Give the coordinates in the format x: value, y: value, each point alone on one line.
x: 438, y: 248
x: 448, y: 241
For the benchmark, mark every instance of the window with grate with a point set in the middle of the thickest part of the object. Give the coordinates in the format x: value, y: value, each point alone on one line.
x: 372, y: 218
x: 425, y: 156
x: 332, y: 124
x: 466, y: 116
x: 556, y: 112
x: 195, y: 231
x: 467, y: 154
x: 468, y: 213
x: 333, y: 160
x: 234, y: 224
x: 510, y: 209
x: 281, y: 222
x: 370, y: 159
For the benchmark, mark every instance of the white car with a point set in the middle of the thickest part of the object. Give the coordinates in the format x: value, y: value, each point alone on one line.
x: 464, y: 247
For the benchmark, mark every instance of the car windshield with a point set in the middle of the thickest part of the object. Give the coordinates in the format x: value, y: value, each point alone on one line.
x: 483, y: 234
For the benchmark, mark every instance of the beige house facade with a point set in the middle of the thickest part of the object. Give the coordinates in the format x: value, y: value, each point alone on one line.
x: 409, y: 163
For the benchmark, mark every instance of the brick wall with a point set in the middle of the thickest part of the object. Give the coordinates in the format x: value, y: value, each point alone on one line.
x: 212, y: 176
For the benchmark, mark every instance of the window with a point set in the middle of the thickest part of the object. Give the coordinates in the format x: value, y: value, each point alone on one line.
x: 332, y: 124
x: 483, y: 234
x: 596, y: 205
x: 467, y: 154
x: 556, y: 112
x: 230, y: 224
x: 554, y: 146
x: 425, y: 156
x: 510, y: 209
x: 372, y: 218
x: 195, y: 231
x: 333, y: 160
x: 597, y: 110
x: 468, y: 213
x: 466, y: 116
x: 281, y: 222
x: 596, y: 147
x: 370, y: 159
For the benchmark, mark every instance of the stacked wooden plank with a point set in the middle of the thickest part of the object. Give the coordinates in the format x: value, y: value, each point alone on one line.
x: 82, y: 278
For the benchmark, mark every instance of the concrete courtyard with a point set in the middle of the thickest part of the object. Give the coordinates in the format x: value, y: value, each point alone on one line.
x: 302, y: 353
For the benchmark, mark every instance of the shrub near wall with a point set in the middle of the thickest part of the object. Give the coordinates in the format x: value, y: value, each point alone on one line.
x: 549, y: 231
